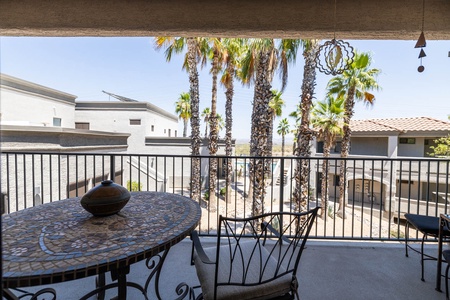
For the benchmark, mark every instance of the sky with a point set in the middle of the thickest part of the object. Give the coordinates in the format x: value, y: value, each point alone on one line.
x: 133, y: 68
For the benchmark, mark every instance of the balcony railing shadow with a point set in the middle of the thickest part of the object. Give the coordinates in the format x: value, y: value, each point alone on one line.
x: 328, y: 270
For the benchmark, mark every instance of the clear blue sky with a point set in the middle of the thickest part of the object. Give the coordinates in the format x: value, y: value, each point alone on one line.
x: 131, y: 67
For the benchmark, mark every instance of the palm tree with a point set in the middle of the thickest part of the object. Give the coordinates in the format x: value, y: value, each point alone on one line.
x: 304, y: 133
x: 275, y: 108
x: 193, y: 56
x: 258, y: 66
x: 220, y: 123
x: 283, y: 129
x: 328, y: 119
x: 215, y: 53
x: 353, y: 84
x: 233, y: 50
x: 206, y: 113
x: 183, y: 109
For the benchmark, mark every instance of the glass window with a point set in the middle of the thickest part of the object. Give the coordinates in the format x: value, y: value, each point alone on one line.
x: 407, y: 140
x: 57, y: 122
x: 81, y: 125
x: 319, y: 147
x: 135, y: 121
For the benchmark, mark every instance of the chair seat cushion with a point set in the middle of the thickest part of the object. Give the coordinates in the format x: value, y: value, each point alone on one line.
x: 426, y: 224
x: 246, y: 256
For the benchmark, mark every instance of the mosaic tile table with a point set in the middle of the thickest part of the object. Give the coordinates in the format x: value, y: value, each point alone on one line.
x: 60, y: 241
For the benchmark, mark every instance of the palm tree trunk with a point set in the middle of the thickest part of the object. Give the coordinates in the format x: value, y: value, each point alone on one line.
x: 228, y: 129
x: 305, y: 133
x: 195, y: 120
x: 259, y: 134
x: 213, y: 131
x: 282, y: 145
x: 185, y: 122
x: 325, y: 167
x: 345, y: 149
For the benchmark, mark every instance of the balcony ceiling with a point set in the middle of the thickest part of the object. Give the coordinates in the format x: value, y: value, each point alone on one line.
x: 380, y: 19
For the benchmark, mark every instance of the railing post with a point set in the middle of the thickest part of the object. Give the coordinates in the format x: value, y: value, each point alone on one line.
x: 112, y: 167
x: 281, y: 184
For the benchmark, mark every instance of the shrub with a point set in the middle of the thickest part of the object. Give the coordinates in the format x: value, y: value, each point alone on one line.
x: 134, y: 186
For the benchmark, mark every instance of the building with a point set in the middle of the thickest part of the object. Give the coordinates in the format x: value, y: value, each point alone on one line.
x: 377, y: 171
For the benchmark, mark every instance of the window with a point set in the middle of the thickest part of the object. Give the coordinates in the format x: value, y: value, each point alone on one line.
x: 57, y: 122
x: 407, y: 140
x: 319, y: 147
x: 338, y: 147
x: 175, y: 133
x: 336, y: 180
x: 164, y: 131
x: 405, y: 181
x: 81, y: 125
x: 135, y: 121
x: 169, y: 132
x: 153, y: 128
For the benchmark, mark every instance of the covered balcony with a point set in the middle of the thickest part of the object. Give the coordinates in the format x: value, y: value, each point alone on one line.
x: 358, y: 257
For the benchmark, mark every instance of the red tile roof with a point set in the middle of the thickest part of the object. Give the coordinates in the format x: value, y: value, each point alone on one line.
x: 400, y: 125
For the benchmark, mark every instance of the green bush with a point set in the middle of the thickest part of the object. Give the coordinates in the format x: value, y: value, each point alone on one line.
x: 134, y: 186
x: 223, y: 191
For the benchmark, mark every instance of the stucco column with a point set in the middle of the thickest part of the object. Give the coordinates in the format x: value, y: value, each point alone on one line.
x: 390, y: 202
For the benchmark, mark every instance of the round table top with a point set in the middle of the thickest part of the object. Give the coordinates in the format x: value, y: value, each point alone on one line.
x: 60, y: 241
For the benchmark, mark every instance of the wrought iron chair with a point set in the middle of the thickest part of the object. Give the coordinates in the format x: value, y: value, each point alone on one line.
x: 255, y: 258
x: 429, y: 227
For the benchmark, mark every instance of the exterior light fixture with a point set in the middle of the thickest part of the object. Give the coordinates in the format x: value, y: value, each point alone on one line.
x: 335, y: 56
x: 421, y: 42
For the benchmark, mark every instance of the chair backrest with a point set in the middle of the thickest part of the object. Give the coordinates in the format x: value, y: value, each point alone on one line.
x: 257, y: 250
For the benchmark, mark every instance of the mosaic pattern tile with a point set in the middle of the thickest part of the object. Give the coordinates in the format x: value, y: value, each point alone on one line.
x: 61, y: 241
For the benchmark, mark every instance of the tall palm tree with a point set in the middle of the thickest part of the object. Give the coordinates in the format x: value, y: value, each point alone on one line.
x: 220, y: 123
x: 183, y: 109
x: 215, y: 53
x: 258, y: 66
x: 194, y: 55
x: 304, y: 133
x: 283, y: 129
x: 328, y: 119
x: 206, y: 113
x: 276, y: 109
x: 353, y: 84
x: 233, y: 51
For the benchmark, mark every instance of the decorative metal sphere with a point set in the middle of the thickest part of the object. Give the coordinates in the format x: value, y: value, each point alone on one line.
x: 337, y: 56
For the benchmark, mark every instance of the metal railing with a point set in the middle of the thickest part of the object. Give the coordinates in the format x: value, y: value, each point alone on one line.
x: 379, y: 190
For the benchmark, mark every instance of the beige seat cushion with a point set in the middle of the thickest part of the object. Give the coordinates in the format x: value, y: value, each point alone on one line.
x: 205, y: 273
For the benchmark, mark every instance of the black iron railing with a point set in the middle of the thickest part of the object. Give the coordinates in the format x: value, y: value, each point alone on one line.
x: 379, y: 190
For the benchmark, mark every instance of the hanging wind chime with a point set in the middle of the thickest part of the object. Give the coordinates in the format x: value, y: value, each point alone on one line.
x: 421, y: 42
x: 336, y: 55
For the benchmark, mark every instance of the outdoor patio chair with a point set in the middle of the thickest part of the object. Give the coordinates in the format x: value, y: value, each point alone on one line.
x: 429, y: 227
x: 446, y: 255
x: 254, y: 258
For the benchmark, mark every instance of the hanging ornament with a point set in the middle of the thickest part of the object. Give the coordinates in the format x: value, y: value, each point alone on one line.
x: 335, y: 56
x: 421, y: 42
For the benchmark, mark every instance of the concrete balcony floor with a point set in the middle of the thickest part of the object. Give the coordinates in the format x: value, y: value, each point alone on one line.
x: 328, y: 270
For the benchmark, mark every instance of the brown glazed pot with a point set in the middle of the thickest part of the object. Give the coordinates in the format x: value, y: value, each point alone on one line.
x: 105, y: 199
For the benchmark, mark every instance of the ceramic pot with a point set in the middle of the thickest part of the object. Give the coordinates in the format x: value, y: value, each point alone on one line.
x: 105, y: 199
